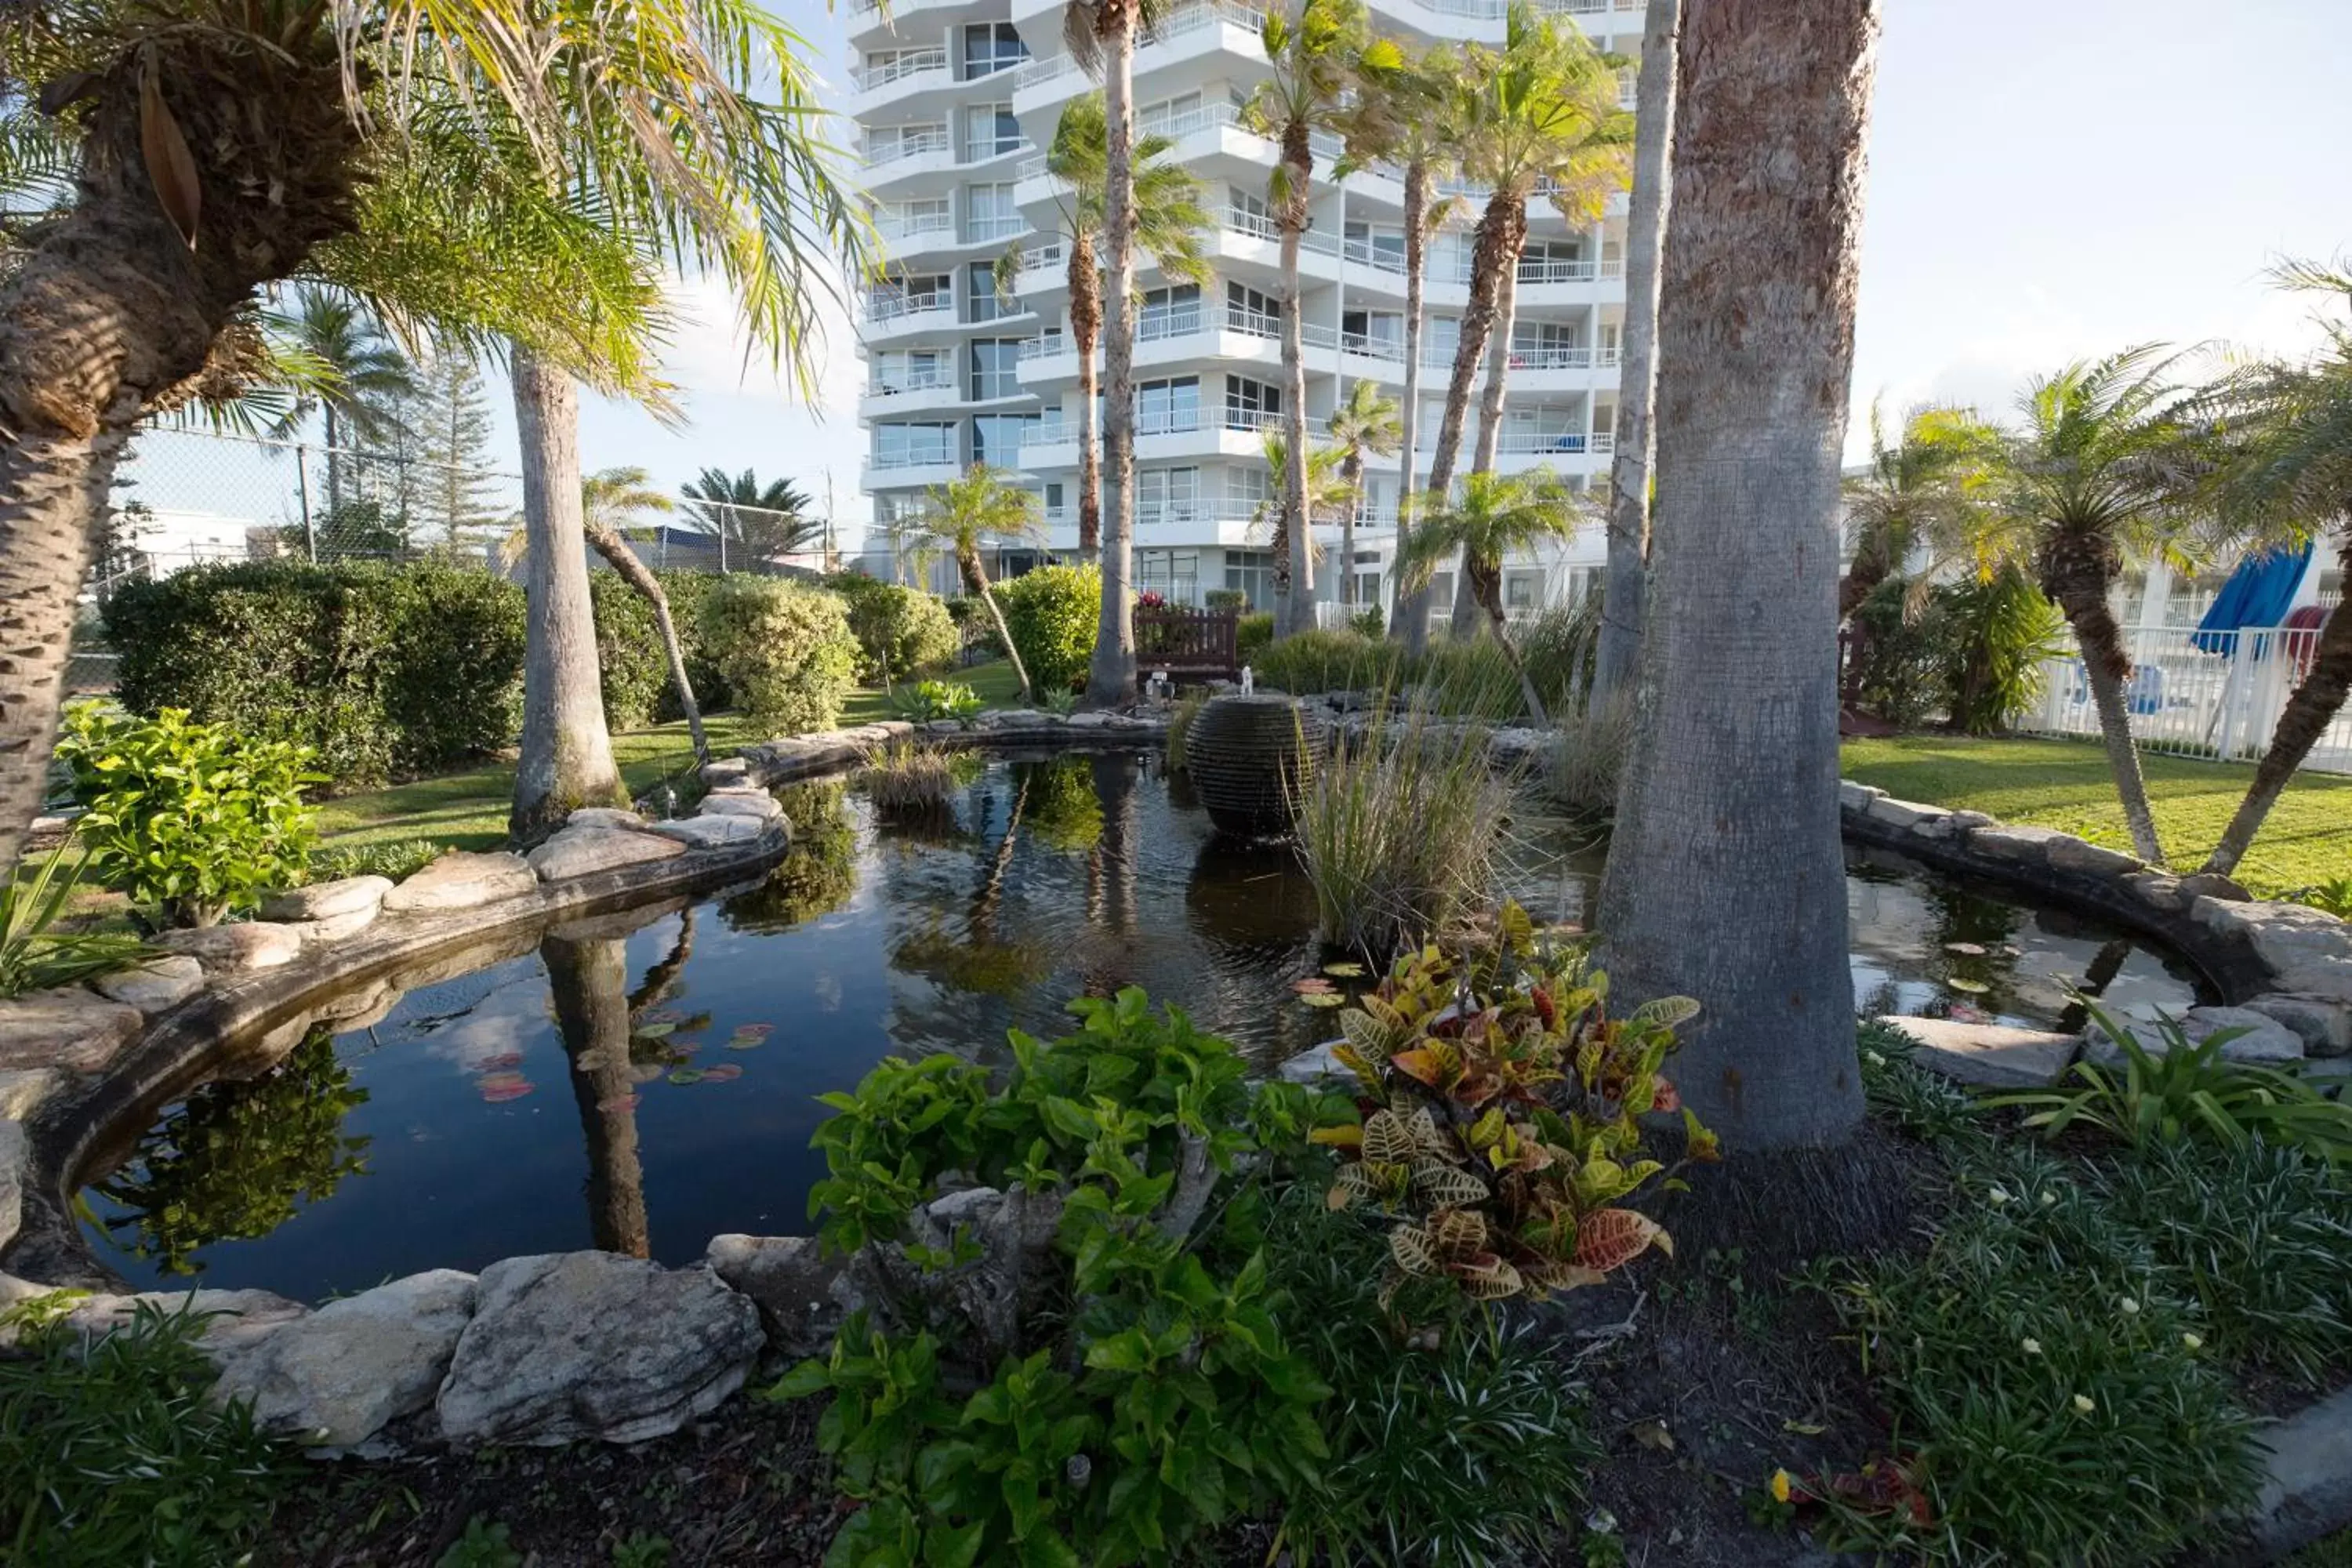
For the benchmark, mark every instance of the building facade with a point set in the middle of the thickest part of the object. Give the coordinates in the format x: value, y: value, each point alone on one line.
x: 953, y: 100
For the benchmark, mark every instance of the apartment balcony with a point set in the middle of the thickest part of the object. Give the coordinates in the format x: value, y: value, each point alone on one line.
x: 1189, y: 31
x: 908, y: 471
x: 910, y: 393
x: 889, y: 317
x: 914, y: 72
x: 871, y: 21
x: 909, y: 157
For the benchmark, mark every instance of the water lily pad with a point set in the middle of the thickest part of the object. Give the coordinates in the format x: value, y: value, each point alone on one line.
x: 656, y: 1031
x: 1314, y: 986
x: 687, y: 1075
x: 620, y: 1103
x: 1966, y: 949
x: 740, y: 1041
x: 725, y: 1072
x: 1971, y: 987
x: 664, y: 1014
x: 754, y: 1031
x: 1344, y: 971
x: 1324, y: 999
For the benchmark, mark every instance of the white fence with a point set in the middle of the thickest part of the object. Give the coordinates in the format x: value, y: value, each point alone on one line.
x: 2197, y: 694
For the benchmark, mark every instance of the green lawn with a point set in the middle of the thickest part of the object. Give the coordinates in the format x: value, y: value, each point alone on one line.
x: 468, y: 809
x: 2065, y: 784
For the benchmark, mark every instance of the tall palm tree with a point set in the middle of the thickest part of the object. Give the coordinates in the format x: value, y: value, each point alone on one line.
x: 762, y: 520
x: 1923, y: 488
x: 963, y: 517
x: 1493, y: 516
x: 2288, y: 478
x: 1541, y: 116
x: 456, y: 171
x: 1167, y: 220
x: 1725, y: 877
x: 367, y: 376
x: 1625, y: 579
x: 2104, y: 467
x: 610, y: 501
x: 1401, y: 115
x: 1314, y: 53
x: 1366, y: 425
x: 1330, y: 493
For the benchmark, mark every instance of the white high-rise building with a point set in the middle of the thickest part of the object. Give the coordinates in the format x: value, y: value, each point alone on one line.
x: 954, y: 99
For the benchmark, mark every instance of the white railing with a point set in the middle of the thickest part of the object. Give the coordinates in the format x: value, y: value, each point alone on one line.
x: 1046, y: 343
x: 925, y: 381
x: 1184, y: 20
x: 909, y: 227
x: 2200, y: 694
x: 1170, y: 322
x: 1363, y: 252
x: 1040, y: 259
x: 1368, y: 346
x: 1251, y: 419
x: 1049, y: 433
x: 881, y: 461
x: 982, y: 149
x: 891, y: 308
x: 1601, y: 441
x: 905, y: 63
x: 1167, y: 421
x: 1002, y: 227
x: 1523, y: 442
x: 1253, y: 323
x: 909, y: 144
x: 1555, y: 270
x: 1031, y: 168
x: 1551, y: 356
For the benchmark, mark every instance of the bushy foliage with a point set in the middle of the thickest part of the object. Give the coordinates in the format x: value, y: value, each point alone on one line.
x: 34, y: 954
x: 1309, y: 662
x: 904, y: 777
x: 1253, y: 634
x: 900, y: 631
x: 114, y: 1454
x: 785, y: 651
x: 381, y: 670
x: 1053, y: 614
x: 631, y: 661
x: 1969, y: 652
x: 189, y: 821
x: 1225, y: 599
x: 398, y: 859
x: 928, y: 699
x: 974, y: 624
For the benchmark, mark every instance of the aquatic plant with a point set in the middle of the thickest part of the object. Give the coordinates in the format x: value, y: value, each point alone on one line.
x: 1180, y: 726
x: 907, y: 779
x: 1582, y: 769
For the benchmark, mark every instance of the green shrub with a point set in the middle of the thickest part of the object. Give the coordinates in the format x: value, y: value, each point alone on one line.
x: 1225, y: 599
x: 907, y: 777
x: 398, y: 859
x: 785, y: 651
x: 1308, y: 662
x: 974, y: 624
x: 111, y: 1453
x: 1368, y: 621
x: 382, y: 671
x: 188, y: 821
x: 900, y: 631
x: 33, y: 954
x: 1053, y: 615
x: 2003, y: 630
x: 928, y: 699
x: 631, y: 661
x: 1253, y: 634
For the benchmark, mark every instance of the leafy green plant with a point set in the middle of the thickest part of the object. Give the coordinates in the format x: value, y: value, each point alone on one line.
x: 1063, y: 703
x: 189, y: 821
x: 1927, y: 1105
x: 1253, y: 634
x: 1179, y: 726
x: 1052, y: 614
x: 900, y: 631
x: 785, y: 650
x: 395, y: 858
x: 1225, y: 599
x: 35, y: 954
x: 485, y: 1544
x: 2186, y: 1090
x: 2333, y: 896
x: 2003, y: 633
x: 642, y: 1551
x: 111, y: 1453
x: 904, y: 777
x: 928, y: 699
x: 1308, y: 662
x: 1506, y: 1126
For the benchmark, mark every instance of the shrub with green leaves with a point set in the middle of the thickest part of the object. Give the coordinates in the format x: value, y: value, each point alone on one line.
x: 630, y: 658
x: 900, y: 631
x: 1253, y: 634
x: 33, y: 954
x: 1308, y: 662
x: 1053, y: 615
x: 188, y: 821
x: 928, y: 699
x: 785, y: 650
x: 397, y: 858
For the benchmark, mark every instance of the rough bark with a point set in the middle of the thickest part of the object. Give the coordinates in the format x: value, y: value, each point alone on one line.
x: 2317, y: 699
x: 566, y: 759
x: 1294, y: 581
x: 623, y: 560
x: 1409, y: 616
x: 1478, y: 327
x: 1485, y: 578
x: 1469, y: 615
x: 1727, y: 876
x: 109, y: 309
x: 1351, y: 475
x: 2079, y: 572
x: 1086, y: 335
x: 1626, y: 576
x: 590, y: 982
x: 975, y: 581
x: 1110, y: 677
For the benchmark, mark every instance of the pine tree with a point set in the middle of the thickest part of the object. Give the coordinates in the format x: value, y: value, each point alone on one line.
x: 456, y: 482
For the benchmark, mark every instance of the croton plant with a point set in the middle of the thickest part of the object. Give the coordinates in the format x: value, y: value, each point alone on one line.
x: 1502, y: 1110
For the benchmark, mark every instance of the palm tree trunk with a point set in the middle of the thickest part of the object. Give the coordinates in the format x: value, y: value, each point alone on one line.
x: 2080, y: 586
x: 1294, y: 582
x: 590, y: 983
x: 1085, y: 333
x: 1512, y: 230
x: 1486, y: 578
x: 334, y: 463
x: 975, y: 580
x: 622, y: 560
x: 2317, y: 699
x: 1478, y: 327
x: 1732, y: 785
x: 1409, y: 612
x: 567, y: 756
x: 1351, y: 475
x: 1626, y: 575
x: 1111, y: 680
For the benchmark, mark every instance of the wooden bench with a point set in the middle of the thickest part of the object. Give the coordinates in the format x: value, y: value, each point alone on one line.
x: 1188, y: 644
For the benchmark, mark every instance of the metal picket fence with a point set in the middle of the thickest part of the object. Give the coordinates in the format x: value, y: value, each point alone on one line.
x: 2197, y: 694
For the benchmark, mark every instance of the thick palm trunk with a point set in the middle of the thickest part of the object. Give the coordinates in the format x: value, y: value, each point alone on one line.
x: 1468, y: 613
x: 1086, y: 334
x: 1111, y: 680
x: 1294, y: 581
x: 2317, y: 699
x: 1409, y: 614
x: 623, y: 560
x: 1487, y: 579
x: 1727, y: 876
x: 110, y: 308
x: 1625, y: 581
x: 2078, y: 575
x: 1351, y: 475
x: 1478, y: 327
x: 590, y: 982
x: 567, y: 756
x: 975, y: 581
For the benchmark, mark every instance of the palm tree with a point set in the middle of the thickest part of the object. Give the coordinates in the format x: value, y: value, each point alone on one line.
x: 1725, y: 877
x: 1400, y: 115
x: 465, y: 176
x: 1925, y: 488
x: 2287, y: 477
x: 610, y: 503
x: 1314, y: 54
x: 963, y: 516
x: 1330, y: 493
x: 366, y: 376
x: 1542, y: 115
x: 1168, y: 222
x: 1365, y: 424
x: 763, y: 521
x: 1625, y: 578
x: 2103, y: 468
x: 1495, y: 516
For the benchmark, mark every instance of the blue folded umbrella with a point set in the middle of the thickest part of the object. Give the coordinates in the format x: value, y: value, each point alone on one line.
x: 2258, y: 594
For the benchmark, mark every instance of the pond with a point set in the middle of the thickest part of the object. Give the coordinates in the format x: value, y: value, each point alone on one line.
x: 642, y: 1083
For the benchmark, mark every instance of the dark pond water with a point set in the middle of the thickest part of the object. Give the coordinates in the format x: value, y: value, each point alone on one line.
x: 640, y: 1083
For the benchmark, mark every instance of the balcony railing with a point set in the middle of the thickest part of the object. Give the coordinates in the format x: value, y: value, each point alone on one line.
x: 909, y: 144
x: 912, y: 225
x: 981, y: 149
x: 1041, y: 258
x: 914, y: 381
x: 1551, y: 356
x: 1168, y: 322
x: 919, y: 458
x: 1183, y: 20
x: 1050, y: 433
x: 1003, y: 226
x: 906, y: 63
x: 1044, y: 344
x: 893, y: 306
x: 1523, y: 442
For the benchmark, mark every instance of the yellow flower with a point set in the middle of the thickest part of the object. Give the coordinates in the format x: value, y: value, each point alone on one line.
x: 2084, y: 1404
x: 2032, y: 1347
x: 2193, y: 1341
x: 1779, y: 1486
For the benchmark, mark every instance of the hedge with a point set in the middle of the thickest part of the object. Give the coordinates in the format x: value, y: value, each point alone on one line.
x: 1053, y: 614
x: 786, y: 650
x: 902, y: 632
x: 635, y: 669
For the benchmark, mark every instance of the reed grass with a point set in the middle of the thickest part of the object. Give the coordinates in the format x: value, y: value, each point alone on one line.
x: 904, y: 778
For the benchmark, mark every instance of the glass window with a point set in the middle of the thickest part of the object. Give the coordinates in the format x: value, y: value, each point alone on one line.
x: 1166, y: 495
x: 996, y: 439
x: 1168, y: 407
x: 989, y: 213
x: 995, y: 368
x: 990, y: 129
x: 1251, y: 572
x: 1170, y: 117
x: 1251, y: 405
x: 905, y: 446
x: 1249, y: 310
x: 992, y: 46
x: 1245, y: 488
x: 1169, y: 313
x: 981, y: 295
x: 1522, y: 590
x: 1247, y: 212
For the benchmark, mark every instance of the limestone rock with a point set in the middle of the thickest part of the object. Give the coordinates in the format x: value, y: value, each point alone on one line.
x: 2306, y: 950
x: 332, y: 929
x: 789, y: 1278
x: 568, y: 1345
x: 604, y: 816
x: 721, y: 772
x: 2267, y: 1043
x: 1903, y: 813
x: 15, y: 1165
x: 945, y: 726
x: 2068, y: 853
x: 2157, y: 890
x: 335, y: 1377
x: 2026, y: 845
x: 753, y: 803
x: 26, y: 1091
x: 581, y: 851
x: 1316, y: 1068
x: 713, y: 831
x: 1989, y: 1056
x: 460, y: 881
x: 233, y: 1318
x: 240, y: 949
x: 1089, y: 720
x: 153, y: 985
x: 2325, y: 1028
x: 1852, y: 796
x: 326, y: 900
x: 2212, y: 885
x: 69, y: 1028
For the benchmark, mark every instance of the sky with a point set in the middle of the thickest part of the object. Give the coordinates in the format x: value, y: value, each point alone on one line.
x: 2045, y: 182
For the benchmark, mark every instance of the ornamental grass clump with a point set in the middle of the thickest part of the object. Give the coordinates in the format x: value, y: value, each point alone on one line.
x: 906, y: 779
